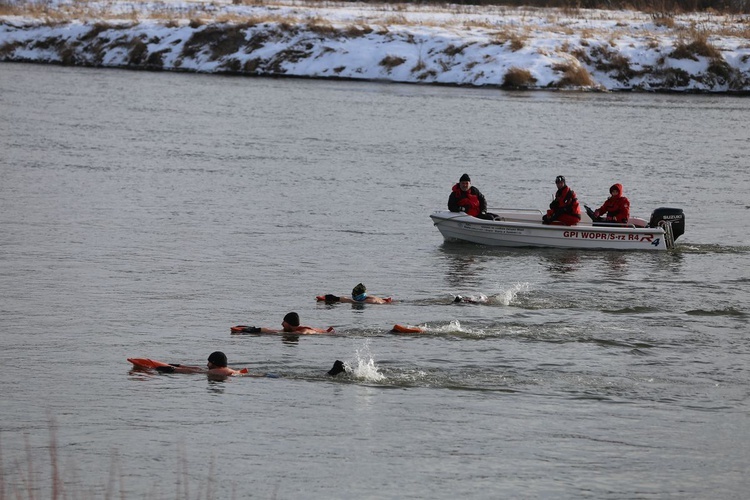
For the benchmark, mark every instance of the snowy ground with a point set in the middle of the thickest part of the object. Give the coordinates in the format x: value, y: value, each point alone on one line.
x: 462, y: 45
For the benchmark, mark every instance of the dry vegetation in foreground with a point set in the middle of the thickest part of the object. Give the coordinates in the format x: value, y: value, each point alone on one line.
x: 20, y: 479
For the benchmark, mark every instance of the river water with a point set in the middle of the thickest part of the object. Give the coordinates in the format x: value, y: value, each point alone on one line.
x: 143, y: 214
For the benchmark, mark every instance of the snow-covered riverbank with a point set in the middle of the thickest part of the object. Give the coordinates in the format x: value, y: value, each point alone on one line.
x: 460, y: 45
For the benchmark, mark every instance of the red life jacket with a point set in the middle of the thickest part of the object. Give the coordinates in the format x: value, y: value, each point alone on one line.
x: 617, y: 207
x: 467, y: 199
x: 566, y: 199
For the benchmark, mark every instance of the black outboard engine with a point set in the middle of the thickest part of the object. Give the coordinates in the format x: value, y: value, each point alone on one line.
x: 673, y: 217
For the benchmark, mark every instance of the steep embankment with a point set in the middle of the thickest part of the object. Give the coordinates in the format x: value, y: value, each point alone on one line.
x: 512, y: 48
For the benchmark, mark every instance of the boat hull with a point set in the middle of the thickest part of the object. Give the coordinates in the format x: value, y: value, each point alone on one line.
x: 524, y: 229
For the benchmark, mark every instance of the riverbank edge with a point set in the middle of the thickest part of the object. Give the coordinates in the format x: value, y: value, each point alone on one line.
x: 282, y: 50
x: 229, y: 74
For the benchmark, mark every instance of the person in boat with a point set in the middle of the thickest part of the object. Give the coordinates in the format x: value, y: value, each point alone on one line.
x: 216, y: 366
x: 290, y: 324
x: 359, y: 296
x: 615, y: 209
x: 564, y: 209
x: 468, y: 199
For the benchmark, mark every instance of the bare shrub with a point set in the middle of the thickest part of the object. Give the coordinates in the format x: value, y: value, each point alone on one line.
x: 8, y: 48
x: 663, y: 20
x: 220, y: 40
x: 322, y: 27
x: 389, y: 62
x: 721, y: 73
x: 252, y: 65
x: 155, y: 60
x: 427, y: 74
x: 674, y: 77
x: 396, y: 20
x: 288, y: 27
x: 257, y: 41
x: 137, y: 52
x: 517, y: 42
x: 356, y: 30
x: 453, y: 50
x: 518, y: 78
x: 231, y: 65
x: 574, y: 75
x: 700, y: 46
x: 196, y: 23
x: 95, y: 30
x: 419, y: 66
x: 288, y: 55
x: 581, y: 54
x: 609, y: 61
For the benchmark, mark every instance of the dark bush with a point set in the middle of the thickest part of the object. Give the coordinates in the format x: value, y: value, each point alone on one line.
x: 518, y: 78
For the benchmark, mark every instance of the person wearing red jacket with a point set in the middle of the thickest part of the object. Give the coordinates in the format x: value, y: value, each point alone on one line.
x: 466, y: 198
x: 564, y: 209
x: 616, y: 208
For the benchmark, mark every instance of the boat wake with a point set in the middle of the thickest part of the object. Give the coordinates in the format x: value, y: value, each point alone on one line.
x: 712, y: 248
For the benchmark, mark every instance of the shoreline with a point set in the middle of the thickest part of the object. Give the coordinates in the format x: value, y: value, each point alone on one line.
x: 489, y: 48
x: 728, y: 93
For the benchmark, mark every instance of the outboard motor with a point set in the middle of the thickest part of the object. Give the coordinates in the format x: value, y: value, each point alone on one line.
x: 672, y: 217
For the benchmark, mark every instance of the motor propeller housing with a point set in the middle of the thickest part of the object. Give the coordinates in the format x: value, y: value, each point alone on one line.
x: 673, y: 216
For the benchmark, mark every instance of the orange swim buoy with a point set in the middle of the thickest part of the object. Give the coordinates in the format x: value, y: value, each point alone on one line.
x: 146, y: 363
x: 406, y: 329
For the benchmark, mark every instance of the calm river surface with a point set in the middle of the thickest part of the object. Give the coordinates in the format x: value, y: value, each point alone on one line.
x: 143, y: 214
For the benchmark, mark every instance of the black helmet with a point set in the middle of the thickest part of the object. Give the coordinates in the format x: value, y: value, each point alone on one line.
x: 560, y: 178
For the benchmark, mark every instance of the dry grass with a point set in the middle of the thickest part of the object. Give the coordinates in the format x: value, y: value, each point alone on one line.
x: 322, y: 27
x: 19, y: 479
x: 382, y: 14
x: 219, y: 40
x: 389, y: 62
x: 697, y: 46
x: 573, y: 75
x: 518, y: 78
x: 454, y: 50
x: 356, y: 30
x: 664, y: 20
x: 420, y: 66
x: 516, y: 41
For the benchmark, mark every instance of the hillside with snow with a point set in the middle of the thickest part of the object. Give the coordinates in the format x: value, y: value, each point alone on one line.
x: 454, y: 45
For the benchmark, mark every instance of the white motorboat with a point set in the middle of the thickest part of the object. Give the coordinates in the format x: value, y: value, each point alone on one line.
x: 524, y: 228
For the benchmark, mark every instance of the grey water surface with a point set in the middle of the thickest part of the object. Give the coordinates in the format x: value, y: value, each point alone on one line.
x: 143, y: 214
